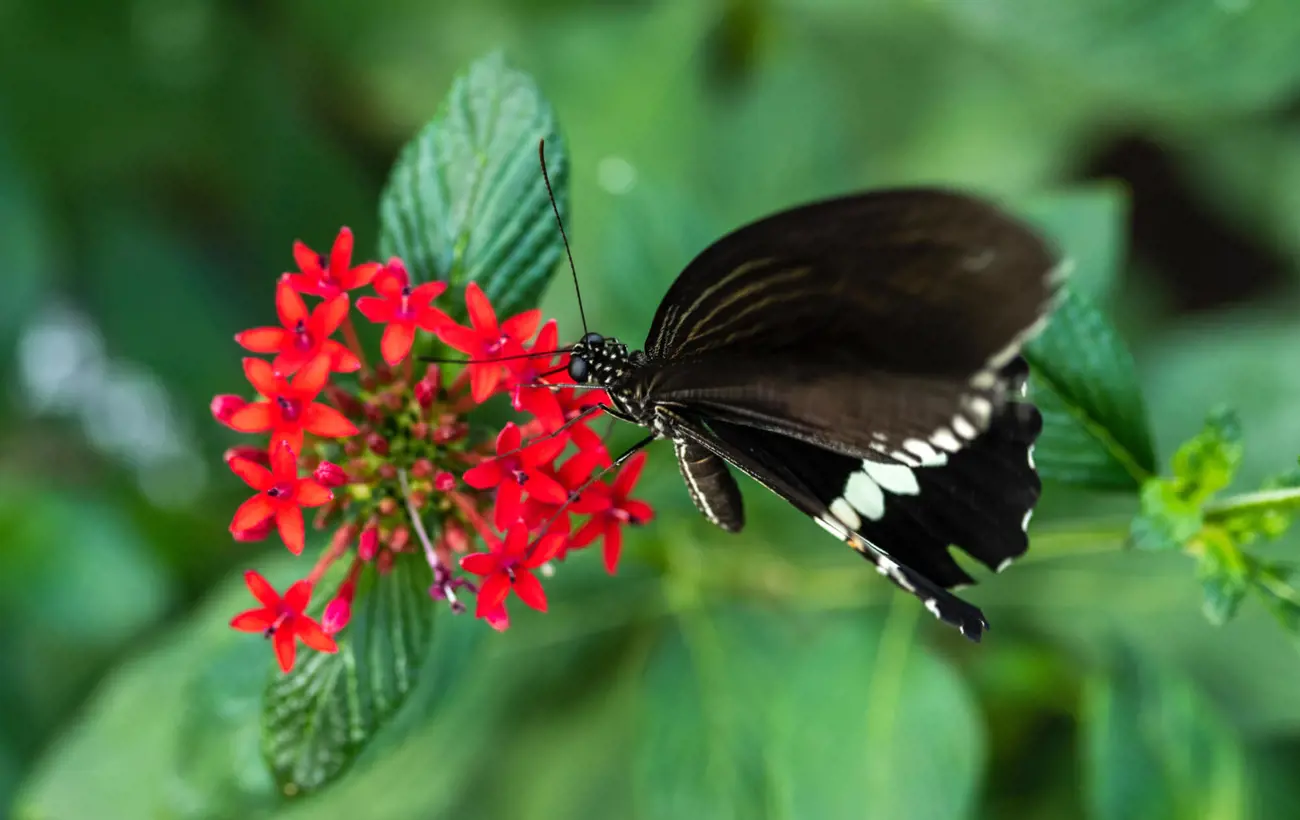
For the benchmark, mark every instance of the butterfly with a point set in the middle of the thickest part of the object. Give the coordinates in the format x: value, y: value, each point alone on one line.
x: 860, y: 357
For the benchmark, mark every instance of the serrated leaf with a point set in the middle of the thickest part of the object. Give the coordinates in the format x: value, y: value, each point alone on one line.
x: 466, y: 201
x: 1167, y: 521
x: 1224, y: 573
x: 1095, y: 430
x: 739, y: 721
x: 1185, y: 57
x: 1207, y: 462
x: 320, y: 716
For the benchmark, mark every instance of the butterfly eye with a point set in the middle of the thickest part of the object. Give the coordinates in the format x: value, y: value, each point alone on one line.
x: 578, y: 369
x: 593, y: 339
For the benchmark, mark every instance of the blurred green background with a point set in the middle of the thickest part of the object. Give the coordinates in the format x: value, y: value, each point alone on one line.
x: 158, y: 158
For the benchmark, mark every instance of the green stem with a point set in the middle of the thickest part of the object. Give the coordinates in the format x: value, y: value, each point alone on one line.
x: 1260, y: 501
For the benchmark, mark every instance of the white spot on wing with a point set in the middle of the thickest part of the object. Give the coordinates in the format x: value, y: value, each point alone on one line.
x: 1030, y: 457
x: 932, y: 604
x: 1006, y: 562
x: 963, y: 427
x: 981, y: 408
x: 865, y: 495
x: 1024, y: 524
x: 943, y: 439
x: 983, y: 380
x: 845, y: 513
x: 897, y: 478
x: 928, y: 456
x: 834, y: 528
x: 905, y: 457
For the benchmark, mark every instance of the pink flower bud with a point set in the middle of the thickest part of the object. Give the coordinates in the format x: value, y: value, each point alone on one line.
x: 377, y: 444
x: 399, y: 539
x: 444, y: 482
x: 330, y: 475
x: 433, y: 377
x: 425, y: 394
x: 225, y: 406
x: 422, y: 468
x: 387, y: 507
x: 337, y: 614
x: 257, y: 455
x: 369, y: 544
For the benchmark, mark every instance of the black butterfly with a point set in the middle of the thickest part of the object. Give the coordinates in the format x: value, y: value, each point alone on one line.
x: 860, y: 358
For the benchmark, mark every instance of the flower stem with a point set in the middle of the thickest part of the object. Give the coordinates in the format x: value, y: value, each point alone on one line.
x: 441, y: 573
x: 1263, y: 500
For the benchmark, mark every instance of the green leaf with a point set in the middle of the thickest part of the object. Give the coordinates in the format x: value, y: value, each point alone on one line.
x: 1225, y: 575
x: 1182, y: 57
x: 1167, y: 520
x: 1095, y: 430
x: 740, y: 720
x: 320, y: 716
x: 466, y: 201
x: 1208, y: 461
x: 1154, y: 749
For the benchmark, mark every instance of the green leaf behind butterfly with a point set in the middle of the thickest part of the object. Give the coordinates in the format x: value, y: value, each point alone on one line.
x: 466, y: 201
x: 321, y: 715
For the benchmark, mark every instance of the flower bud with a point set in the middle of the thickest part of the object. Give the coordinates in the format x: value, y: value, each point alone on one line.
x: 422, y: 468
x: 377, y: 444
x: 419, y: 431
x: 257, y: 455
x: 225, y: 406
x: 387, y: 507
x: 369, y: 544
x: 330, y: 475
x: 444, y: 482
x: 399, y: 540
x: 337, y: 614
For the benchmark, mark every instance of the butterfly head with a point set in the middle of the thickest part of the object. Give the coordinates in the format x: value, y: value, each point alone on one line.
x: 596, y: 359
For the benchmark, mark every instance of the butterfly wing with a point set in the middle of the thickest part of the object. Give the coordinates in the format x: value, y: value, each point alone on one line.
x: 857, y: 324
x: 904, y: 518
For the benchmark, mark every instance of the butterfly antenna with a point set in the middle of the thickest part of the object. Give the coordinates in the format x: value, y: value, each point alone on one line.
x: 541, y: 155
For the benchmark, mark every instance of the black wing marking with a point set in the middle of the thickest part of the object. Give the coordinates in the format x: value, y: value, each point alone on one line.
x: 711, y: 485
x: 916, y: 281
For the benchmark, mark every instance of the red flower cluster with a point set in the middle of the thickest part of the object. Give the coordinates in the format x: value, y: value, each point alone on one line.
x: 379, y: 456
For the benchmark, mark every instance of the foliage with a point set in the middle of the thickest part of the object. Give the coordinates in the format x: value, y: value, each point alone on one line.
x: 744, y: 677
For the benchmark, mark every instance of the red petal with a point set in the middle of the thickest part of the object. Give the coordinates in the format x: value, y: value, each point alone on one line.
x: 342, y: 360
x: 541, y: 402
x: 426, y: 293
x: 546, y: 549
x: 298, y: 596
x: 311, y: 379
x: 484, y: 379
x: 290, y: 435
x: 253, y: 474
x: 577, y: 468
x: 481, y: 313
x: 326, y: 422
x: 311, y: 493
x: 262, y: 339
x: 397, y: 341
x: 509, y: 438
x: 587, y: 533
x: 284, y: 649
x: 627, y: 477
x: 328, y: 316
x: 484, y: 476
x: 640, y: 511
x: 510, y: 506
x: 544, y: 488
x: 529, y: 590
x: 260, y: 374
x: 361, y: 275
x: 430, y: 318
x: 516, y: 543
x: 289, y: 306
x: 480, y: 563
x: 493, y: 592
x: 341, y: 255
x: 252, y: 512
x: 308, y: 261
x: 549, y: 335
x: 254, y: 620
x: 522, y: 326
x: 261, y: 589
x: 284, y: 462
x: 497, y: 618
x: 543, y: 451
x: 252, y: 418
x: 460, y: 338
x: 312, y: 635
x: 613, y: 546
x: 289, y: 521
x: 389, y: 283
x: 375, y: 309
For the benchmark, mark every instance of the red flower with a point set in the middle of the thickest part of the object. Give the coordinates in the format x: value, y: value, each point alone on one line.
x: 289, y: 408
x: 329, y: 280
x: 403, y: 309
x: 487, y: 339
x: 304, y: 335
x: 226, y: 406
x: 515, y: 469
x: 616, y: 510
x: 280, y: 494
x: 575, y: 472
x: 282, y: 619
x: 526, y: 374
x: 508, y: 566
